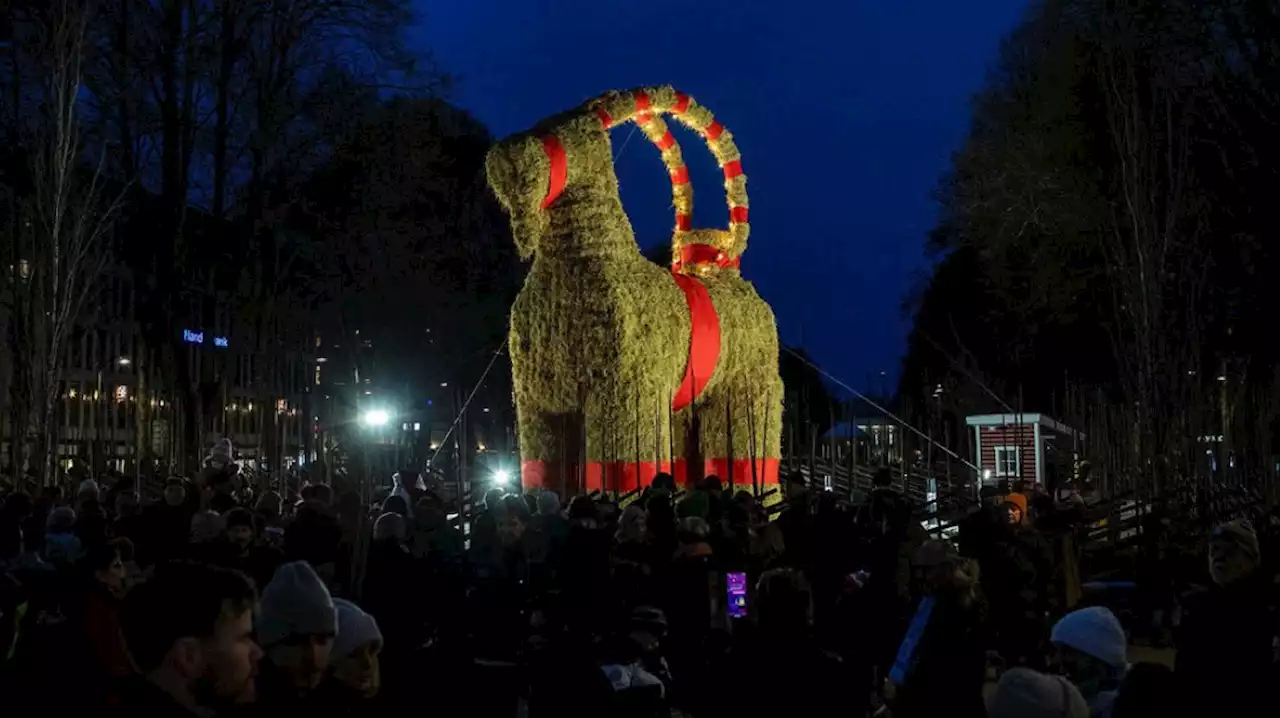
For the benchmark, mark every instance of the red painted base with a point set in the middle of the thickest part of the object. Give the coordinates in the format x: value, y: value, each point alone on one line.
x: 624, y: 476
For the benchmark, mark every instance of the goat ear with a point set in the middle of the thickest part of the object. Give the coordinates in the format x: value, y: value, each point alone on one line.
x: 519, y: 173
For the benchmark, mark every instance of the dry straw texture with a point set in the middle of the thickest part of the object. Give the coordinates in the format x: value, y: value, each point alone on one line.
x: 599, y: 335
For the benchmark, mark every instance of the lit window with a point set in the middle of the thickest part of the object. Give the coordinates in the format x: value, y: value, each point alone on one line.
x: 1007, y: 460
x: 417, y: 426
x: 405, y: 426
x: 122, y: 394
x: 317, y: 375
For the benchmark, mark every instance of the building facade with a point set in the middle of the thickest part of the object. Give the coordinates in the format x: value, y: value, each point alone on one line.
x: 119, y: 406
x: 1022, y: 447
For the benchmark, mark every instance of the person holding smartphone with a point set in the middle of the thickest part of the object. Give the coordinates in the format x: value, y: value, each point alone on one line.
x: 780, y: 636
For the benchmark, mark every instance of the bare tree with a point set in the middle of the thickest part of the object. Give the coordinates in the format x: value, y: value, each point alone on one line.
x: 65, y: 253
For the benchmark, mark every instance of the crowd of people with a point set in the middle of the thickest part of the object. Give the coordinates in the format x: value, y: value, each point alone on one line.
x: 214, y: 602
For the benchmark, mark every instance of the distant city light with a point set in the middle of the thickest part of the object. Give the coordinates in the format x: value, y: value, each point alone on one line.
x: 444, y: 385
x: 376, y: 417
x: 124, y: 361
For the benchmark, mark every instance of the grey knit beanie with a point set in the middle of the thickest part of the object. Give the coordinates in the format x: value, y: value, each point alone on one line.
x: 355, y: 628
x: 295, y: 603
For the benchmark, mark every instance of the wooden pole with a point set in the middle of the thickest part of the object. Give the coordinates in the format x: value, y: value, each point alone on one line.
x: 637, y: 439
x: 580, y: 474
x: 789, y: 416
x: 764, y: 452
x: 657, y: 436
x: 832, y: 462
x: 751, y: 444
x: 853, y: 450
x: 613, y: 455
x: 813, y: 452
x: 671, y: 434
x: 728, y: 432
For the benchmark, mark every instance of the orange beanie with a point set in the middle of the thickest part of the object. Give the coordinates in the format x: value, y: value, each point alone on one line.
x: 1018, y: 500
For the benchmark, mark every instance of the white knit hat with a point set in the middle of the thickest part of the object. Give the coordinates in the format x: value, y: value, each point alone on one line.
x: 355, y: 628
x: 1096, y: 632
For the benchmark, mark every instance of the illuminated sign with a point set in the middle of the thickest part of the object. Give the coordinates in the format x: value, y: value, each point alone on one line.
x: 193, y: 337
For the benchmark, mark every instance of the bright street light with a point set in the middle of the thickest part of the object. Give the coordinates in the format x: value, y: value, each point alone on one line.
x: 376, y: 417
x: 124, y: 361
x: 502, y: 478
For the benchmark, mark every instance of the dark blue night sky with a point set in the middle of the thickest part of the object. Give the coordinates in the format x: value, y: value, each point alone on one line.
x: 846, y: 115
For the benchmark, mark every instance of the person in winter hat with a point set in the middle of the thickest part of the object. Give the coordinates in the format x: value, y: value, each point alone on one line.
x: 88, y: 489
x: 296, y: 625
x: 61, y: 544
x: 1234, y: 552
x: 1093, y: 650
x: 1017, y: 506
x: 354, y: 656
x: 1225, y: 660
x: 1024, y: 693
x: 398, y: 481
x: 220, y: 455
